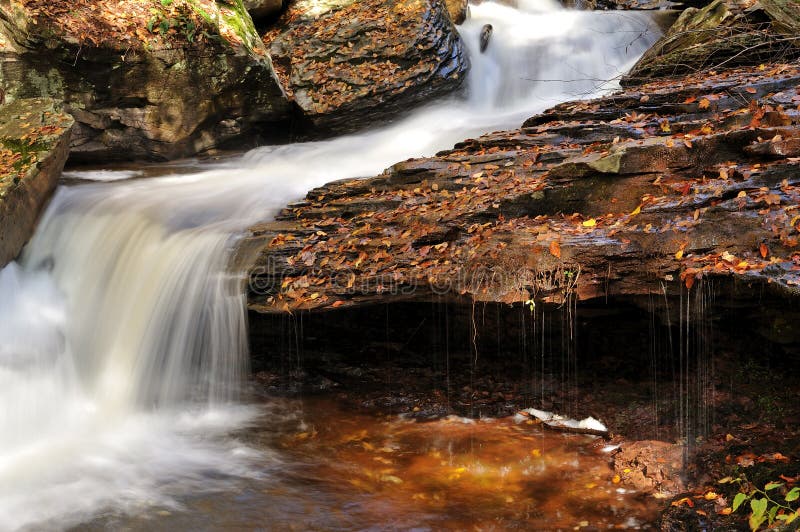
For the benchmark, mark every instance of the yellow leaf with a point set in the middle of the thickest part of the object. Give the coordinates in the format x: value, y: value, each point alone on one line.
x: 591, y: 222
x: 636, y: 211
x: 703, y: 104
x: 679, y: 254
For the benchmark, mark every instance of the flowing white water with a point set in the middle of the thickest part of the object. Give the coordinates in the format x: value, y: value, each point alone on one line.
x: 122, y: 332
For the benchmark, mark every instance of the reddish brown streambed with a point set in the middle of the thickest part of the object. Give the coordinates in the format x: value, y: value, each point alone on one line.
x: 326, y: 467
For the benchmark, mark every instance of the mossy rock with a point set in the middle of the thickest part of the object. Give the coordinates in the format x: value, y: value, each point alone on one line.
x: 721, y: 35
x: 185, y: 77
x: 34, y: 143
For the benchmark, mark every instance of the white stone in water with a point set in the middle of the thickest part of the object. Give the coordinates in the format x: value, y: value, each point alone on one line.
x: 588, y: 423
x: 592, y: 424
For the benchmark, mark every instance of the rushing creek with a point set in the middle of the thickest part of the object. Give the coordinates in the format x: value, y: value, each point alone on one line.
x: 123, y: 339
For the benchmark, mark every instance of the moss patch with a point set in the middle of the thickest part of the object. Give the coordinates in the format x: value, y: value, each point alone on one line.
x: 28, y: 130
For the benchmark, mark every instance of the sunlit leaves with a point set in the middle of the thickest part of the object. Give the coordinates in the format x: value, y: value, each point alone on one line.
x: 738, y: 500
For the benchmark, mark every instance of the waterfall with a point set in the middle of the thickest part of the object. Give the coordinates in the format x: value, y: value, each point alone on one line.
x: 123, y: 328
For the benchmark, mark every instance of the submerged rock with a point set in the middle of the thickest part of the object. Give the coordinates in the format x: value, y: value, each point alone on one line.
x: 723, y: 34
x: 180, y: 78
x: 651, y: 466
x: 34, y: 143
x: 641, y: 192
x: 347, y: 64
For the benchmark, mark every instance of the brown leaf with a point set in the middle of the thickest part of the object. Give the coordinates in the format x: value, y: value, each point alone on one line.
x: 555, y: 249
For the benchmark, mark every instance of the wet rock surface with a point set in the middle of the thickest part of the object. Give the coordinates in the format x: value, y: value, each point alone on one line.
x: 143, y: 81
x: 34, y: 143
x: 644, y: 191
x: 346, y: 64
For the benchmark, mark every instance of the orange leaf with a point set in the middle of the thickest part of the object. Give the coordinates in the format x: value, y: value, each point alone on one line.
x: 686, y: 501
x: 763, y: 249
x: 555, y: 249
x: 751, y: 90
x: 704, y: 104
x: 689, y: 282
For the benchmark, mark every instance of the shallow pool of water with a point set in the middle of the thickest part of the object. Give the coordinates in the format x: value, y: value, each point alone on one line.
x: 325, y: 467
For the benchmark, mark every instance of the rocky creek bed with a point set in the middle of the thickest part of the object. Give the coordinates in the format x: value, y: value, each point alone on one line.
x: 515, y: 255
x: 632, y: 257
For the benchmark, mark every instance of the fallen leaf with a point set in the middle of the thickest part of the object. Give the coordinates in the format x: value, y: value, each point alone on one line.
x: 763, y: 250
x: 555, y: 249
x: 686, y: 501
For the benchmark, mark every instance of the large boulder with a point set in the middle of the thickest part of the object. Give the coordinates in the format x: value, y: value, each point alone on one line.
x: 178, y: 78
x: 347, y: 64
x: 34, y: 143
x: 723, y: 34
